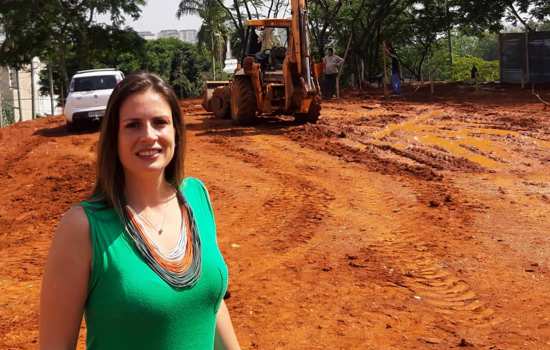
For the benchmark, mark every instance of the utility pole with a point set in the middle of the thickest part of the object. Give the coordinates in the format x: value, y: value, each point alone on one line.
x: 18, y: 95
x: 32, y: 90
x: 213, y: 58
x: 50, y: 76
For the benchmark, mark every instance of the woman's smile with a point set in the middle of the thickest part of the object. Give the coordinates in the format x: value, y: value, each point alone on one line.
x: 149, y: 153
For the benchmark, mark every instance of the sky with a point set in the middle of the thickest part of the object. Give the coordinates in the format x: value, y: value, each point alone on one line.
x: 158, y: 15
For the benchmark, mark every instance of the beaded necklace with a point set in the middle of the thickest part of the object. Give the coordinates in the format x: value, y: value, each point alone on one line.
x: 176, y: 252
x: 178, y: 270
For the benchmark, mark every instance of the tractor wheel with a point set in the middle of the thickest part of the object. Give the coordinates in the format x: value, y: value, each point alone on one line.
x: 313, y: 114
x: 243, y: 101
x: 219, y: 103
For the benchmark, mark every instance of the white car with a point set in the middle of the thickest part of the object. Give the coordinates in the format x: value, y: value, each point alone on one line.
x: 88, y: 95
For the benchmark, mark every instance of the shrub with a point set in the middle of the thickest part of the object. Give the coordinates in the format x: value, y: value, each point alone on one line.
x: 462, y: 66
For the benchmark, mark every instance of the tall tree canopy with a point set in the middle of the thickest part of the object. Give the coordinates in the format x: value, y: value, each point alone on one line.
x: 55, y: 30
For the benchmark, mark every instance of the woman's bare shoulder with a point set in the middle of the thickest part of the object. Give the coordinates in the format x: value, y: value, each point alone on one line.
x: 73, y: 228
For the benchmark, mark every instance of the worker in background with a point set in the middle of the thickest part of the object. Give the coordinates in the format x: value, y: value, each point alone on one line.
x: 265, y: 43
x: 332, y: 64
x: 267, y: 38
x: 255, y: 44
x: 474, y: 73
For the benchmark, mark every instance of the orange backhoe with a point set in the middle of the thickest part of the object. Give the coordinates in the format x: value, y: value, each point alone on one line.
x: 274, y: 74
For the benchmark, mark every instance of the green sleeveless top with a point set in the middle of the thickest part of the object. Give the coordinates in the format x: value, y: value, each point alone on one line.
x: 130, y: 307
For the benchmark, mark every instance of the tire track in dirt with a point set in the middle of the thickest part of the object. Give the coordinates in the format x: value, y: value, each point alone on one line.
x: 414, y: 144
x: 419, y: 271
x: 432, y: 282
x: 409, y: 263
x: 295, y: 210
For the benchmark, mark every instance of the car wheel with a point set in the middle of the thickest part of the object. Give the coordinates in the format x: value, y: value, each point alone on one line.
x: 70, y: 126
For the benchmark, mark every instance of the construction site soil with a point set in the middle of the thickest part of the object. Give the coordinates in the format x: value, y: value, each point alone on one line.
x: 411, y: 222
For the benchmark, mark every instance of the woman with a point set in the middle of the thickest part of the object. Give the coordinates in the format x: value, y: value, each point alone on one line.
x: 395, y: 69
x: 140, y: 257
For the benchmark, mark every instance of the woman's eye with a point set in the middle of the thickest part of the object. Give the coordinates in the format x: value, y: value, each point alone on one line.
x: 132, y: 125
x: 161, y: 121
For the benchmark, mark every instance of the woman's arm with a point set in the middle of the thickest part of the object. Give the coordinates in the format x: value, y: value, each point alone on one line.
x: 65, y: 282
x: 226, y: 339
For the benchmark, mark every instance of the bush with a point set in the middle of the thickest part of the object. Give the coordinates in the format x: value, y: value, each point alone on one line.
x: 462, y: 67
x: 8, y: 113
x: 178, y: 63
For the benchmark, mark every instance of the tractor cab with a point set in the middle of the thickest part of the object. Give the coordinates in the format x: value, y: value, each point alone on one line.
x: 267, y: 43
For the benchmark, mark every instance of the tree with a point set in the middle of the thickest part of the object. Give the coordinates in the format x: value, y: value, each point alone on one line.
x: 322, y: 20
x: 57, y: 30
x: 178, y: 63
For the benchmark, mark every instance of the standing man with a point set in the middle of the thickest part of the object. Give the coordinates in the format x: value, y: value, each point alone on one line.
x: 473, y: 73
x: 331, y: 62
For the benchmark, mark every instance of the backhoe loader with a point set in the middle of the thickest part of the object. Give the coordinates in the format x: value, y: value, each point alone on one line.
x: 274, y: 74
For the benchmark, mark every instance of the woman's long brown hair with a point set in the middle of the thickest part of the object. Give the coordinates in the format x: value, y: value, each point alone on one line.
x: 109, y: 187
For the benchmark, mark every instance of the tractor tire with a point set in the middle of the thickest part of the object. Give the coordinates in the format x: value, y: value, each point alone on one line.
x: 243, y: 101
x: 219, y: 103
x: 312, y: 116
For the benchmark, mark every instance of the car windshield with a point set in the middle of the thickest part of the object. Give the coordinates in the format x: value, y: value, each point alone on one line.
x: 99, y: 82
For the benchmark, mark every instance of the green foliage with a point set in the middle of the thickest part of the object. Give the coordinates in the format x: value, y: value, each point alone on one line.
x: 64, y: 34
x: 114, y: 47
x: 462, y: 66
x: 7, y: 113
x: 485, y: 45
x: 544, y: 26
x: 178, y: 63
x: 50, y: 28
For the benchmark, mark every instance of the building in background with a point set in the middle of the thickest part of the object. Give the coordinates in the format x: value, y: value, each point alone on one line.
x: 147, y: 35
x: 16, y: 94
x: 185, y: 35
x: 169, y: 33
x: 525, y: 57
x: 188, y: 36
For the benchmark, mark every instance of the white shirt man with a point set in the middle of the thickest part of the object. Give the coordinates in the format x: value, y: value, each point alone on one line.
x: 332, y: 63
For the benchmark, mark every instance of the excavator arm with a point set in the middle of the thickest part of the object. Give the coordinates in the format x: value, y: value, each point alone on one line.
x: 301, y: 43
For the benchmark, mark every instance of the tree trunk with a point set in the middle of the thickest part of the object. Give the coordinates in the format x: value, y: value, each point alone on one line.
x: 341, y: 66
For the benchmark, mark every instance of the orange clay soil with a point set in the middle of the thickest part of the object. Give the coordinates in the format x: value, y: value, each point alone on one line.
x: 401, y: 223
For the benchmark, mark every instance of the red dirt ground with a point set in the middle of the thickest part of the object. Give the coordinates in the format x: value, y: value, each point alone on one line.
x: 399, y: 223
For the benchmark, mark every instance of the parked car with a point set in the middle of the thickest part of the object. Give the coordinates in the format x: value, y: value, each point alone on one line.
x: 89, y: 92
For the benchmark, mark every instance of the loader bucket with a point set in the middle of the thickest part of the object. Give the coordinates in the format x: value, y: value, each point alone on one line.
x: 209, y: 87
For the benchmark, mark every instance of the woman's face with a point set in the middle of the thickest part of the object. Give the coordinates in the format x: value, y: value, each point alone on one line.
x: 146, y: 134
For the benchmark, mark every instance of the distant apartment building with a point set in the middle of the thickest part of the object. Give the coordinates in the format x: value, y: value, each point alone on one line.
x: 188, y: 36
x: 185, y: 35
x: 147, y: 35
x: 169, y: 33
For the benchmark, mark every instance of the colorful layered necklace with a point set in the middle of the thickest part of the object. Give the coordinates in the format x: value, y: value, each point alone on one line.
x: 180, y: 267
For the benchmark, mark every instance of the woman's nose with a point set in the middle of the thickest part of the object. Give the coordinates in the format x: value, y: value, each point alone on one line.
x: 149, y: 132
